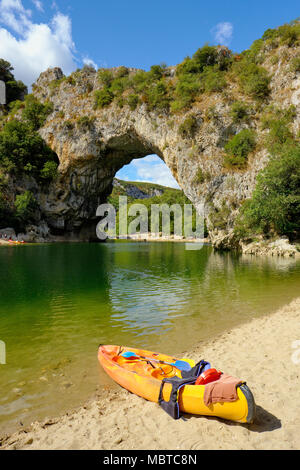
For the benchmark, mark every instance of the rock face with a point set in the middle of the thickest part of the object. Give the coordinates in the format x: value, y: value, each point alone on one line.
x: 280, y: 247
x: 91, y: 150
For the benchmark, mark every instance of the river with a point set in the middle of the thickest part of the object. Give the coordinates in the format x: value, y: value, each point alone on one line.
x: 59, y: 301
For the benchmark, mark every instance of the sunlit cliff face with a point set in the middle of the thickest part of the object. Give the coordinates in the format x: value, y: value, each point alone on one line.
x: 94, y: 144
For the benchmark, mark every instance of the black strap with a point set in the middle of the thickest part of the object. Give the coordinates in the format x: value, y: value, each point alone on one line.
x: 196, y: 370
x: 188, y: 377
x: 150, y: 363
x: 172, y: 407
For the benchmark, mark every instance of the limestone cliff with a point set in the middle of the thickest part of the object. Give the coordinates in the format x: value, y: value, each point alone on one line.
x: 92, y: 143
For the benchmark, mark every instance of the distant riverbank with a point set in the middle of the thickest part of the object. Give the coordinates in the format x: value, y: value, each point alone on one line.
x: 159, y: 237
x: 280, y: 247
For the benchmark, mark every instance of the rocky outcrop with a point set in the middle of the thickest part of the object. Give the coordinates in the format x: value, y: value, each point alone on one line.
x: 93, y: 144
x: 281, y: 247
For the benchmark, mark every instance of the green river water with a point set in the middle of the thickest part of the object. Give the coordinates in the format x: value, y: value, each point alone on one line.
x: 59, y: 301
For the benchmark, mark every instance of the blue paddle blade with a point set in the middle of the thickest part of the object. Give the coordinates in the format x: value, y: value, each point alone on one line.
x: 182, y: 365
x: 128, y: 354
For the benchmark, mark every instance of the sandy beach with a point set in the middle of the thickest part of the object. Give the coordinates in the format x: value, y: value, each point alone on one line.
x: 4, y: 242
x: 264, y: 352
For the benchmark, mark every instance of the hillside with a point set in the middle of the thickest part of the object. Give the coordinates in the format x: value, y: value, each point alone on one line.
x: 148, y: 194
x: 138, y: 190
x: 226, y: 124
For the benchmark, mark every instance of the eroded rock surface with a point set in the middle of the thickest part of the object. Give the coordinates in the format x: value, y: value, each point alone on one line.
x: 93, y: 149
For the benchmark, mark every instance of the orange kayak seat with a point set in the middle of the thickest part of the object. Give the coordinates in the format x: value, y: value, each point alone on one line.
x: 188, y: 378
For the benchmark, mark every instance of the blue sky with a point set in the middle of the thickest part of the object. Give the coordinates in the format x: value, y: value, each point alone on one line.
x: 150, y: 168
x: 37, y: 34
x: 141, y: 33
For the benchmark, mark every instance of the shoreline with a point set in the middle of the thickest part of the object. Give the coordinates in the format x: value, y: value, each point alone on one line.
x: 203, y: 241
x: 265, y: 352
x: 147, y: 238
x: 274, y: 249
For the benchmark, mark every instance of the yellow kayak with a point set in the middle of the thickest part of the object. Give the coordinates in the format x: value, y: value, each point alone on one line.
x: 144, y: 372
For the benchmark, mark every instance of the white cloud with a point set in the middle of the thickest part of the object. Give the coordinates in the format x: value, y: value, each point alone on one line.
x: 90, y: 62
x: 31, y: 47
x: 148, y: 159
x: 62, y: 31
x: 14, y: 15
x: 38, y: 4
x: 154, y: 170
x: 41, y: 47
x: 223, y: 33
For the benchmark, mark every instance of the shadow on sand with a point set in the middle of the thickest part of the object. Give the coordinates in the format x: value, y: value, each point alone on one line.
x: 263, y: 422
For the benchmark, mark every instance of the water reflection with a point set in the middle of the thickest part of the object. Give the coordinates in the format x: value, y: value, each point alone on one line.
x: 58, y: 302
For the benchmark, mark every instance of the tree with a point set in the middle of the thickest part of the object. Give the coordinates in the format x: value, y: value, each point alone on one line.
x: 26, y: 205
x: 35, y: 113
x: 275, y: 204
x: 239, y: 147
x: 22, y: 148
x: 15, y: 89
x: 6, y: 71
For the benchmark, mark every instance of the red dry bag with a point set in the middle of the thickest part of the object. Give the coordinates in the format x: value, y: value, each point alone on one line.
x: 208, y: 376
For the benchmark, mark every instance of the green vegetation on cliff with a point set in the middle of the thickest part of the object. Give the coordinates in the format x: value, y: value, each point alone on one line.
x: 274, y: 208
x: 238, y: 148
x: 25, y: 205
x: 23, y: 153
x: 209, y: 70
x: 204, y: 72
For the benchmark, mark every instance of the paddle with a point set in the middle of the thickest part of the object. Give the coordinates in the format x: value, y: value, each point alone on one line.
x: 181, y: 365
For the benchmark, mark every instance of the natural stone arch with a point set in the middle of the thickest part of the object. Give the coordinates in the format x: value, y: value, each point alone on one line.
x: 80, y: 188
x: 90, y: 155
x: 92, y: 146
x: 121, y: 150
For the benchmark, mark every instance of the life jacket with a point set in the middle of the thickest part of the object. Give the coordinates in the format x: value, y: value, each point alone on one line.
x: 188, y: 378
